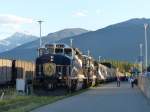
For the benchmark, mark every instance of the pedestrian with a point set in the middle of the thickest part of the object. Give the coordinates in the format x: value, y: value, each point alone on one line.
x: 132, y: 82
x: 118, y: 81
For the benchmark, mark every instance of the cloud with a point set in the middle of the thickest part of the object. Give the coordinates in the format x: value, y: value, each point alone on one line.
x: 81, y: 13
x: 12, y: 19
x: 10, y: 24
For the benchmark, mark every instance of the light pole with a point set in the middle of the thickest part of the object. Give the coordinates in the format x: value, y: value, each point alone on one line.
x: 145, y: 28
x: 40, y: 22
x: 99, y: 59
x: 141, y: 57
x: 88, y: 53
x: 71, y: 42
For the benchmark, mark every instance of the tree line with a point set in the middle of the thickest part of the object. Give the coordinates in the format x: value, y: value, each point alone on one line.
x: 123, y: 66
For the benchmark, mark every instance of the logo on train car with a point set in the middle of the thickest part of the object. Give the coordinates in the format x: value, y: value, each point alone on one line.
x: 49, y: 69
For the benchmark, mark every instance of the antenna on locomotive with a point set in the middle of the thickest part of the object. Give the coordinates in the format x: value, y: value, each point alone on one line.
x: 40, y: 23
x: 71, y: 42
x: 71, y: 45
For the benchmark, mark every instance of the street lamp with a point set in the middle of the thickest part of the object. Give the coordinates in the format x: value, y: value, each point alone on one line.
x: 145, y: 28
x: 99, y: 59
x: 40, y: 22
x: 141, y: 57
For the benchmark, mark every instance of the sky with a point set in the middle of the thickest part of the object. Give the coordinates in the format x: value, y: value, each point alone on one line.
x: 22, y: 15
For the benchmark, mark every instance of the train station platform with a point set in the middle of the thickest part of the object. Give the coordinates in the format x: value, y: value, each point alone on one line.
x: 107, y: 98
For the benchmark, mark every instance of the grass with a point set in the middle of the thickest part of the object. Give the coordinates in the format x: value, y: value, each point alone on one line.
x: 28, y: 103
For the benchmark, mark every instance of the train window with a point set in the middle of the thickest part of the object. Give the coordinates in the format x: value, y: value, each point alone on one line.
x: 58, y: 51
x: 42, y: 51
x: 49, y: 46
x: 68, y: 51
x: 60, y: 45
x: 50, y: 50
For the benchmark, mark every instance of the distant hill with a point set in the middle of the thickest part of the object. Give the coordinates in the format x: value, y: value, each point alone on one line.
x: 15, y: 40
x: 118, y: 41
x: 28, y: 51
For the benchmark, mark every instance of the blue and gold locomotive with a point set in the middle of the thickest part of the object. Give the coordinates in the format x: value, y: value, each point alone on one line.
x: 59, y: 65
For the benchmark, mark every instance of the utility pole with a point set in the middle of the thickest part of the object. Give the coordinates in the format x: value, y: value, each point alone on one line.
x: 141, y: 57
x: 40, y: 23
x: 145, y: 28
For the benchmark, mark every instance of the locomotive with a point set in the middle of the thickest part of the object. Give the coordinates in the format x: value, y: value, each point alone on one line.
x: 59, y: 65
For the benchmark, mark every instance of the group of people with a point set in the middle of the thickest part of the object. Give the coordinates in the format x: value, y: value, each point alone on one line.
x: 131, y: 79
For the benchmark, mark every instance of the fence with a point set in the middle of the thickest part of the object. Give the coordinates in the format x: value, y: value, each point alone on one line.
x: 144, y: 85
x: 7, y: 93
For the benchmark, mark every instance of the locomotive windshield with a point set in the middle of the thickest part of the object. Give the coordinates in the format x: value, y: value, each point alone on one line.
x: 68, y: 51
x: 50, y: 50
x: 58, y: 50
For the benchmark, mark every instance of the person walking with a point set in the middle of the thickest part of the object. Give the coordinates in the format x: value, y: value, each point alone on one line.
x: 118, y: 81
x: 132, y: 82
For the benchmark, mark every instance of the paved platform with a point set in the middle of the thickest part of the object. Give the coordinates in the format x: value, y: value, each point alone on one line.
x: 107, y: 98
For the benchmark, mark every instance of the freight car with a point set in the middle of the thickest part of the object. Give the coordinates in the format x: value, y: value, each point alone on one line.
x: 10, y: 70
x: 5, y: 72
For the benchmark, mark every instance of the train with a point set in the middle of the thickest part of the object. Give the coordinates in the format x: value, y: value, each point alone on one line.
x: 59, y: 65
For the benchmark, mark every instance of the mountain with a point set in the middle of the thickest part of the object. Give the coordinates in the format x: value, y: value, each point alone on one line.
x: 118, y: 41
x: 15, y: 40
x: 28, y: 51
